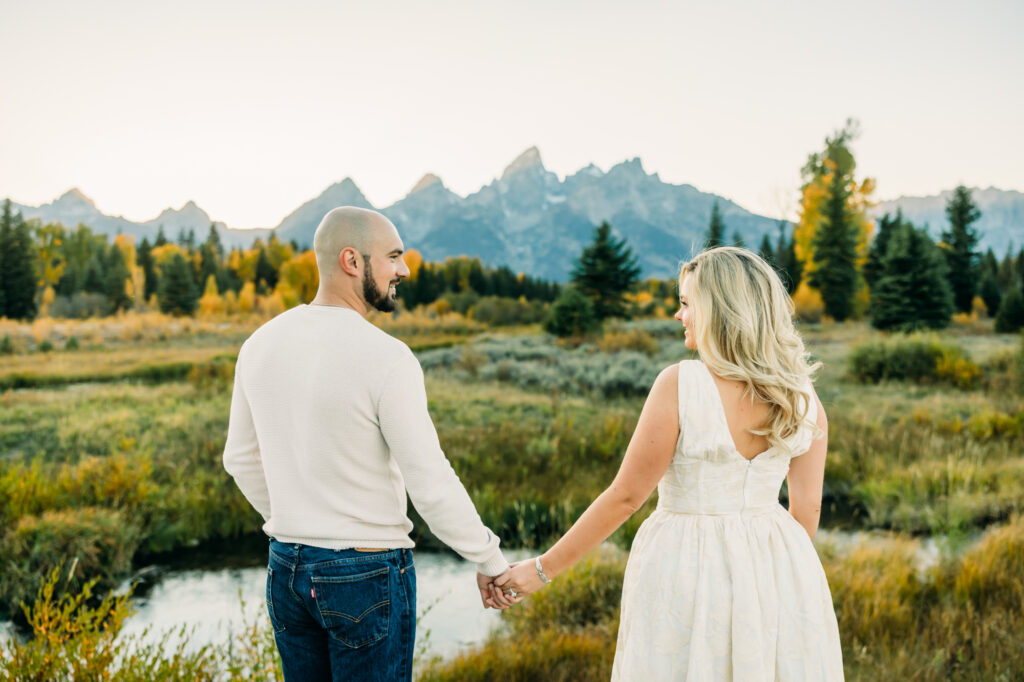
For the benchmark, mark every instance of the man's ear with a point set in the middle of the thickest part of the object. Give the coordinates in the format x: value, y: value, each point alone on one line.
x: 351, y: 261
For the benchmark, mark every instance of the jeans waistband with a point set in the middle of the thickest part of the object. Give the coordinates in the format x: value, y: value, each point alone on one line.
x: 306, y: 557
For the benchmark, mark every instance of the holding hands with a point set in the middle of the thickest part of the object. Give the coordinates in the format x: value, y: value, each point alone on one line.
x: 521, y: 578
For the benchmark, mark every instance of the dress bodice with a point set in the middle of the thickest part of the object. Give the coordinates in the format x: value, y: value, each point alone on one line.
x: 708, y: 475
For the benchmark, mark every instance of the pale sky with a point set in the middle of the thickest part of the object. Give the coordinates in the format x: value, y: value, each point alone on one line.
x: 252, y: 107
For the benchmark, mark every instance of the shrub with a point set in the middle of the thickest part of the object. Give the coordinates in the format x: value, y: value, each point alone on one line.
x: 1010, y: 317
x: 571, y: 315
x: 631, y: 339
x: 90, y: 541
x: 81, y: 305
x: 921, y: 359
x: 6, y: 345
x: 71, y: 343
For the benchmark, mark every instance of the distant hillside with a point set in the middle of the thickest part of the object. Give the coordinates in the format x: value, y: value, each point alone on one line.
x: 535, y: 223
x: 1001, y: 223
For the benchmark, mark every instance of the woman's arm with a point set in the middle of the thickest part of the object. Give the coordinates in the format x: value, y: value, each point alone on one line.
x: 806, y: 477
x: 647, y: 458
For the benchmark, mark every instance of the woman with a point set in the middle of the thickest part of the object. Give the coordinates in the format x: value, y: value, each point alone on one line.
x: 722, y: 582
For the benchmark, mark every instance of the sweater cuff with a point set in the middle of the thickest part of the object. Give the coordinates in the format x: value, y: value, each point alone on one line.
x: 494, y: 566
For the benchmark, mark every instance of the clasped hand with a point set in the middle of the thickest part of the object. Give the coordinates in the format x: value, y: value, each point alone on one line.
x: 502, y: 591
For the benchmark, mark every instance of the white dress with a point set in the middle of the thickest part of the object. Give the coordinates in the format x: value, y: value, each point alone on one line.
x: 722, y: 583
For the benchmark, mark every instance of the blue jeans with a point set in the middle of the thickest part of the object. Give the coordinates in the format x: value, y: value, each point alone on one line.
x: 342, y: 614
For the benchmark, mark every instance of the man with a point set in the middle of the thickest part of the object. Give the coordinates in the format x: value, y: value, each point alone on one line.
x: 329, y: 429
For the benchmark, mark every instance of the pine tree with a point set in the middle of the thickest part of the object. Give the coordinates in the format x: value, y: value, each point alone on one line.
x: 737, y: 240
x: 835, y: 252
x: 960, y: 242
x: 606, y: 270
x: 178, y: 293
x: 145, y: 260
x: 161, y: 238
x: 988, y: 283
x: 716, y: 228
x: 18, y: 280
x: 876, y: 254
x: 911, y: 291
x: 116, y: 272
x: 213, y: 240
x: 1010, y: 317
x: 789, y: 266
x: 266, y: 275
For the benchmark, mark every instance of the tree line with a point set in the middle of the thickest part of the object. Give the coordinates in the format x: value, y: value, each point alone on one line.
x: 889, y: 271
x: 47, y: 268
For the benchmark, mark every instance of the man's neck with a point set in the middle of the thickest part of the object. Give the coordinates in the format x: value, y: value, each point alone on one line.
x: 340, y: 301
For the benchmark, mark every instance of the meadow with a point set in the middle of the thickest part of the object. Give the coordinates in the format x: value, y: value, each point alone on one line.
x: 113, y: 429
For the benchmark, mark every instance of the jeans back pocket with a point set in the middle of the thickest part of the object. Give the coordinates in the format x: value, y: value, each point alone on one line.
x: 355, y: 609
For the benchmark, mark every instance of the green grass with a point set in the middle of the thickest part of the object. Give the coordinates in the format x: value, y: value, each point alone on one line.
x: 116, y: 452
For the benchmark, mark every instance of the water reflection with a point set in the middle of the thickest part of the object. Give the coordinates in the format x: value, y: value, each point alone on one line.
x: 213, y: 602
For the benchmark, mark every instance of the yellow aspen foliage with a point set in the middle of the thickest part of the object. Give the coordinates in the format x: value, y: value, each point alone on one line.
x: 163, y: 254
x: 808, y: 303
x: 230, y: 302
x: 414, y: 261
x: 272, y: 305
x: 247, y: 298
x: 211, y: 304
x: 279, y: 252
x: 300, y: 276
x: 44, y: 304
x: 50, y: 245
x: 289, y: 297
x: 817, y: 176
x: 244, y: 263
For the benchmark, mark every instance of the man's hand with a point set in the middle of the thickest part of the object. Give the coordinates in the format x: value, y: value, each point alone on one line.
x: 491, y: 596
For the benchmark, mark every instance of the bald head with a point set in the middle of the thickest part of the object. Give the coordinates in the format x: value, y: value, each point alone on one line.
x: 348, y: 226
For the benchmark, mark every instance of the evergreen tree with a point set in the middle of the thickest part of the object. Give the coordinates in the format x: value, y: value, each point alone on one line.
x: 876, y: 254
x: 213, y: 241
x: 18, y: 280
x: 116, y: 272
x: 716, y: 228
x: 95, y: 281
x: 766, y: 251
x: 144, y: 256
x: 835, y: 252
x: 606, y: 270
x: 960, y: 242
x: 161, y: 238
x: 266, y: 275
x: 911, y: 291
x: 178, y: 293
x: 988, y: 283
x: 1010, y: 318
x: 789, y: 266
x: 737, y: 240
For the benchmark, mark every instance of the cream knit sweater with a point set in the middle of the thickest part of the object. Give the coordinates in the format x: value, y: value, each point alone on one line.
x: 329, y: 429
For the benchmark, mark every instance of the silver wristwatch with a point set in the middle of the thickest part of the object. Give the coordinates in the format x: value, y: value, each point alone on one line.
x: 540, y: 571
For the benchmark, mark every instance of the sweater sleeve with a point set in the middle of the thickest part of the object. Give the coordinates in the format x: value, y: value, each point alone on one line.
x: 433, y: 486
x: 242, y: 451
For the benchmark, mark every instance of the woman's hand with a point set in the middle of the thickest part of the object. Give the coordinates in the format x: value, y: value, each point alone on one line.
x: 519, y: 580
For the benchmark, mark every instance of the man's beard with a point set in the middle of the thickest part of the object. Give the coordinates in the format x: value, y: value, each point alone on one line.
x: 382, y: 301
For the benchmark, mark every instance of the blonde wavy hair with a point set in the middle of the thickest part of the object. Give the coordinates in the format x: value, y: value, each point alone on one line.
x: 743, y: 325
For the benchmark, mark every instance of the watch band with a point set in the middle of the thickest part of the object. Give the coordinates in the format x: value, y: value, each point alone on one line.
x: 540, y: 571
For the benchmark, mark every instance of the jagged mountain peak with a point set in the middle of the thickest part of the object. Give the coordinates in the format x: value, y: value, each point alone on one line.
x: 426, y: 181
x: 75, y: 195
x: 528, y: 160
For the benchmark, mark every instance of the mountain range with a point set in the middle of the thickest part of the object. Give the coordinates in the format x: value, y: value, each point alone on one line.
x: 535, y: 223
